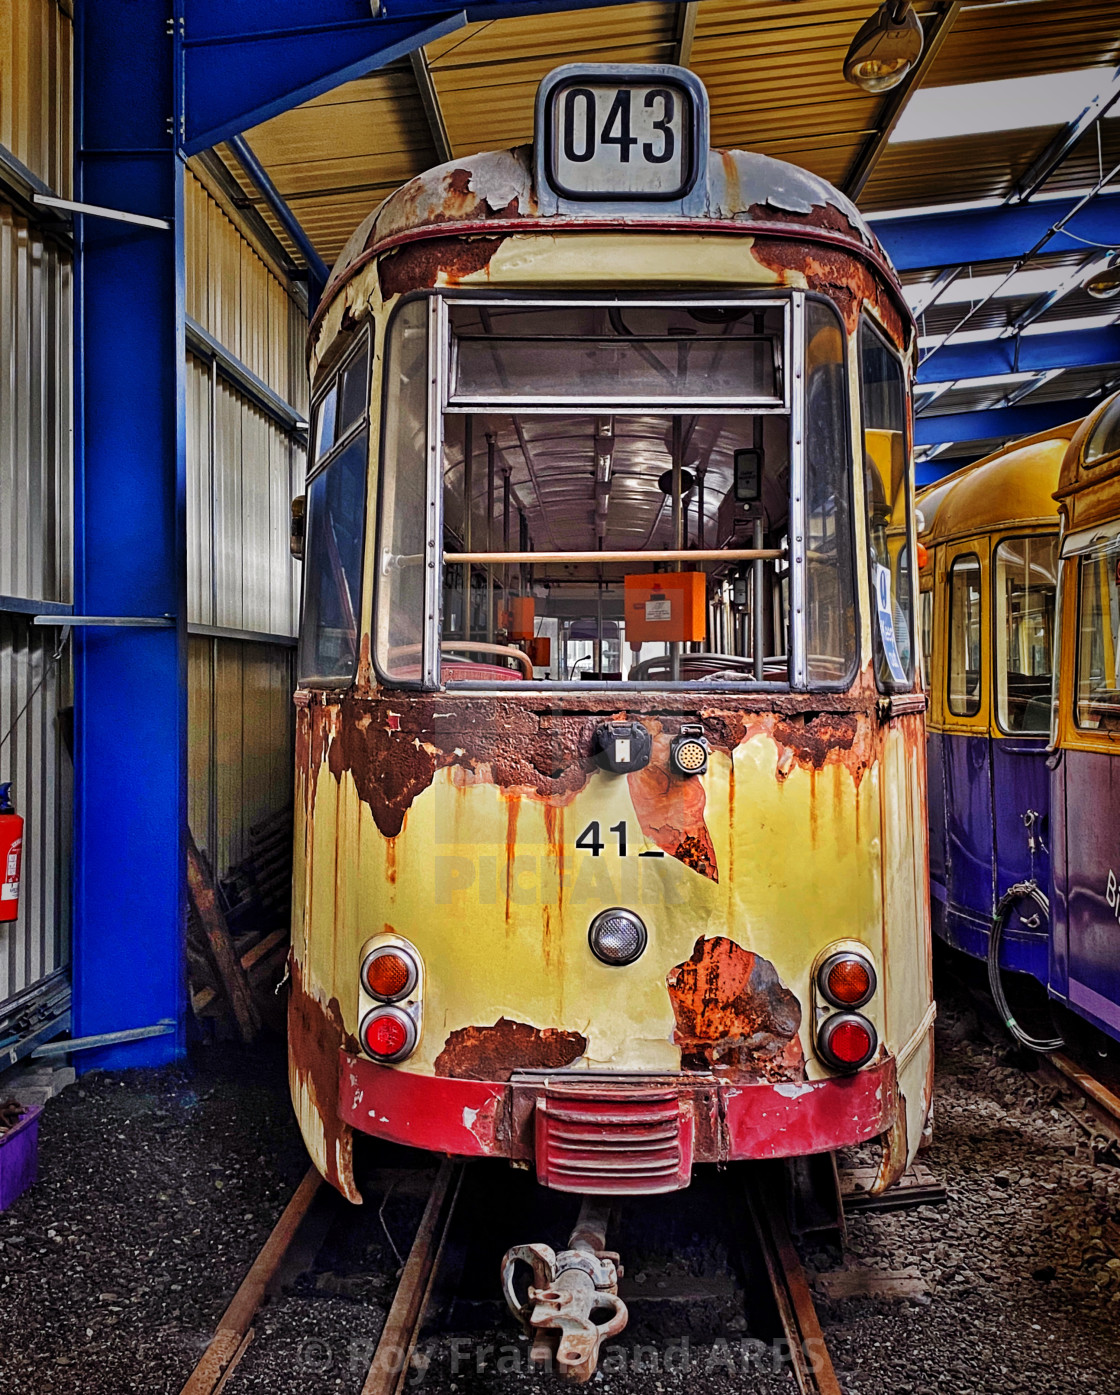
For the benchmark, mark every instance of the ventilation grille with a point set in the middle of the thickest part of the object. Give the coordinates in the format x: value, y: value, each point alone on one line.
x: 625, y: 1142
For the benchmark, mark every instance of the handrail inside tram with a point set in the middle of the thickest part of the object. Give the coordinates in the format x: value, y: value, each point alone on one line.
x: 475, y: 646
x: 709, y: 554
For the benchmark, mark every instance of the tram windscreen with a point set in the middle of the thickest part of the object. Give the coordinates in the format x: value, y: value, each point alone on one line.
x: 608, y: 537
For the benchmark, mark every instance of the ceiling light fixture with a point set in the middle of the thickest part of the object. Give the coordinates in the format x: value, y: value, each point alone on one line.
x: 1104, y: 283
x: 885, y: 47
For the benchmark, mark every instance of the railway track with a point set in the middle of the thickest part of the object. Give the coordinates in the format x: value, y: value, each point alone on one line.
x: 392, y: 1366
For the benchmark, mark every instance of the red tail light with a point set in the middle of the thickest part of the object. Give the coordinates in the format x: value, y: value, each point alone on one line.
x: 388, y: 1034
x: 847, y: 1041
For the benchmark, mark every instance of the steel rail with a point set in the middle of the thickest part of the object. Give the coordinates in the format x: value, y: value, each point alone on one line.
x: 1101, y: 1095
x: 812, y: 1365
x: 235, y: 1328
x: 388, y: 1372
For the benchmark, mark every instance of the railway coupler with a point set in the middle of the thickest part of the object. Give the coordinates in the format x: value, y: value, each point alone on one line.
x: 568, y: 1292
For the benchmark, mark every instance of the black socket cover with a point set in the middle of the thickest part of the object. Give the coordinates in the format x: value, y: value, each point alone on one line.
x: 621, y: 746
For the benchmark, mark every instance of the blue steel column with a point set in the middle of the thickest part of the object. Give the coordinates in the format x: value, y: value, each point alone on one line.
x: 130, y: 536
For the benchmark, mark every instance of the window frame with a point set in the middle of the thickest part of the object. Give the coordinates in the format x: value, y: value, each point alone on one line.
x: 316, y: 468
x: 439, y: 353
x: 431, y: 628
x: 1092, y: 556
x: 801, y: 383
x: 950, y: 710
x: 909, y: 549
x: 1013, y: 538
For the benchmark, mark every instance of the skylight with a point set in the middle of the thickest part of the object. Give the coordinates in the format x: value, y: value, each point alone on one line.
x: 1005, y: 104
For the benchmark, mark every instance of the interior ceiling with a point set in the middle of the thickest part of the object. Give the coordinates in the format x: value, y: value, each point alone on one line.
x: 773, y: 70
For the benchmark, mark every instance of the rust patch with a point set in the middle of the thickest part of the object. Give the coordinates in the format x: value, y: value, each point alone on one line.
x: 734, y: 1014
x: 671, y: 809
x: 494, y: 1053
x: 434, y: 261
x: 892, y: 1161
x: 844, y: 278
x: 821, y: 215
x: 394, y: 749
x: 316, y: 1035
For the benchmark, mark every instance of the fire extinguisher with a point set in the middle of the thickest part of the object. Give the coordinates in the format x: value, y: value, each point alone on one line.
x: 11, y: 848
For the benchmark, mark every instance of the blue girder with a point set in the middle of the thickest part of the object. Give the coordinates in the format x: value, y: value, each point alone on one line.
x: 1022, y: 420
x: 930, y: 240
x: 1031, y: 353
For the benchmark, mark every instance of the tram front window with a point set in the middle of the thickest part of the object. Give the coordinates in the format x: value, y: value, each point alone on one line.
x: 616, y: 495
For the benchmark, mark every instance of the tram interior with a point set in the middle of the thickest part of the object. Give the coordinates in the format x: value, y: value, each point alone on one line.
x: 615, y: 482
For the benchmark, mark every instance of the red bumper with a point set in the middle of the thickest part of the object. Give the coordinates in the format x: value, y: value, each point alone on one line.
x: 597, y: 1132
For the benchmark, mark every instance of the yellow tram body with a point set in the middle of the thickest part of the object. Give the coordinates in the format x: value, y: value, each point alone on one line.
x: 453, y: 820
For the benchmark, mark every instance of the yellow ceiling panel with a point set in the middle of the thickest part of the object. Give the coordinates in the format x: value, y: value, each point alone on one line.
x: 773, y: 69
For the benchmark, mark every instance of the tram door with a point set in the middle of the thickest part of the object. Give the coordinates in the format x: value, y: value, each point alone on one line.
x: 965, y: 745
x: 1087, y: 867
x: 1024, y: 586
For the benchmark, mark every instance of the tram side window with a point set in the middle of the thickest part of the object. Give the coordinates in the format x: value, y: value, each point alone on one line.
x: 1026, y: 585
x: 336, y: 512
x: 925, y: 622
x: 830, y: 630
x: 964, y: 636
x: 886, y: 487
x: 1098, y: 648
x: 399, y: 611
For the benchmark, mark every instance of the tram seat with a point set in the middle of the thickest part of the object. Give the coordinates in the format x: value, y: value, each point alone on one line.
x: 1028, y: 702
x: 465, y: 671
x: 710, y: 668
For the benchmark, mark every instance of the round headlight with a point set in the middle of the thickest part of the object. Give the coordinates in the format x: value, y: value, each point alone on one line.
x: 617, y: 936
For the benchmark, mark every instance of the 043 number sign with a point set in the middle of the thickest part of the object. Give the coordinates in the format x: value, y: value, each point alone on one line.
x: 620, y: 141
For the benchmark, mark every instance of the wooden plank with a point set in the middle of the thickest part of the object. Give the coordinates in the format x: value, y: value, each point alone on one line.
x: 204, y: 899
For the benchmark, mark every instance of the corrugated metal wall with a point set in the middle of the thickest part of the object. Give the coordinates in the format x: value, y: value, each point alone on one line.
x: 243, y: 468
x: 36, y: 488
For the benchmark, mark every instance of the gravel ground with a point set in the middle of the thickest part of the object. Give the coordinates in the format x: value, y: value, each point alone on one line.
x: 157, y: 1189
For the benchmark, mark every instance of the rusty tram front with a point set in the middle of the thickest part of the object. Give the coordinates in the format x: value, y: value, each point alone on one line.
x: 611, y: 849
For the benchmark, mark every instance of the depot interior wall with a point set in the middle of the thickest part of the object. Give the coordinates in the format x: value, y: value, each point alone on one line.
x: 243, y: 467
x: 36, y: 487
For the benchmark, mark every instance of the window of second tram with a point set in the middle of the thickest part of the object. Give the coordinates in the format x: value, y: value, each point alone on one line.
x: 618, y: 481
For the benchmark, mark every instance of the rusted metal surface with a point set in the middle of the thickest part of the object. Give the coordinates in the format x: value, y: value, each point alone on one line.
x: 234, y: 1331
x: 392, y: 749
x: 894, y: 1156
x: 388, y: 1372
x: 435, y: 261
x: 734, y: 1014
x: 566, y: 1292
x: 812, y: 1365
x: 316, y: 1035
x: 494, y: 1053
x: 732, y: 1117
x: 490, y: 196
x: 670, y: 809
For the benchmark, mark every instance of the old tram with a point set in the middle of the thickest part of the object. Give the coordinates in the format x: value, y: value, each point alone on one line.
x: 611, y: 850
